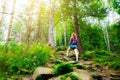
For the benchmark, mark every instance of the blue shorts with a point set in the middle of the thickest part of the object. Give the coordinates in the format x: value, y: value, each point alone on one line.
x: 73, y: 46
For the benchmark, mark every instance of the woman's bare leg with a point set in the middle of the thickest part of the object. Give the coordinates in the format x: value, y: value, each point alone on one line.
x: 76, y: 54
x: 68, y: 51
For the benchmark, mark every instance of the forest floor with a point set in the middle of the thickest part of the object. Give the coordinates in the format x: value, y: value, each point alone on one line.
x: 104, y: 72
x: 96, y: 73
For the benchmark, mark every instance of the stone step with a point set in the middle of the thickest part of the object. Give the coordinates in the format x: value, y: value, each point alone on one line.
x: 115, y: 75
x: 113, y: 78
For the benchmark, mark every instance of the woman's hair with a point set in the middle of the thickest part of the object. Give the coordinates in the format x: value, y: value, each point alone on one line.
x: 73, y: 35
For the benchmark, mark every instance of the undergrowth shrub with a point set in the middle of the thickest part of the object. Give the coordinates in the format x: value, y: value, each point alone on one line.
x: 87, y: 56
x: 94, y: 54
x: 115, y: 64
x: 2, y: 48
x: 3, y: 63
x: 63, y: 68
x: 103, y: 58
x: 35, y: 56
x: 100, y: 53
x: 15, y: 48
x: 12, y: 48
x: 79, y: 66
x: 58, y: 61
x: 14, y: 62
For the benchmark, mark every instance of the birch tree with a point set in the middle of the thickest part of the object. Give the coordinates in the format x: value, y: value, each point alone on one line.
x: 2, y: 17
x: 51, y: 24
x: 29, y: 18
x: 10, y: 24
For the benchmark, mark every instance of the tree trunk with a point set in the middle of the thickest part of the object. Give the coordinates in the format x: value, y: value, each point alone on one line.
x: 65, y: 37
x: 2, y: 19
x: 29, y: 13
x: 51, y: 41
x: 20, y: 39
x: 38, y: 35
x: 77, y: 29
x: 2, y: 16
x: 10, y: 24
x: 38, y: 31
x: 28, y: 32
x: 28, y: 36
x: 39, y: 27
x: 105, y: 35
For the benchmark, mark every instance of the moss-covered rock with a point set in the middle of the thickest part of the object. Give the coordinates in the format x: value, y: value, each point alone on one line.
x: 41, y: 71
x: 70, y: 76
x: 97, y: 76
x: 63, y: 68
x: 79, y: 66
x: 58, y: 61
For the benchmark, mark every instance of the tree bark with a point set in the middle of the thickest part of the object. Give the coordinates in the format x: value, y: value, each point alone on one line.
x: 76, y: 26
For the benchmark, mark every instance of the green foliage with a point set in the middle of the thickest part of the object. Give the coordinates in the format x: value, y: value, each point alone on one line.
x: 71, y: 75
x: 2, y: 48
x: 28, y: 60
x: 40, y: 53
x: 89, y: 69
x: 111, y: 61
x: 19, y: 58
x: 115, y: 64
x: 97, y: 77
x: 97, y: 65
x: 86, y: 56
x: 63, y: 68
x: 44, y: 77
x: 96, y: 8
x: 115, y: 37
x: 95, y: 54
x: 35, y: 56
x: 3, y: 75
x: 92, y: 38
x: 79, y: 66
x: 103, y: 58
x: 14, y: 48
x: 58, y: 61
x: 101, y: 53
x: 116, y: 5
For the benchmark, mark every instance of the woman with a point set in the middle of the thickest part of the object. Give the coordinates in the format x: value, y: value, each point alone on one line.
x: 73, y: 45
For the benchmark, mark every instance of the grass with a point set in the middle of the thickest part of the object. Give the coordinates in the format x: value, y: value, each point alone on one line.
x: 103, y: 58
